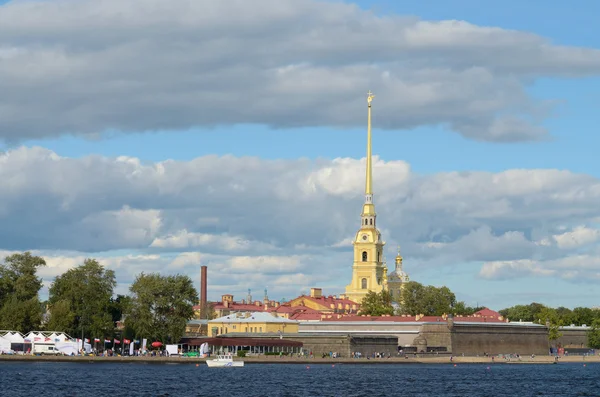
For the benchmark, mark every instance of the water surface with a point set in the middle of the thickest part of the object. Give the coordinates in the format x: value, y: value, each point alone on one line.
x: 269, y: 380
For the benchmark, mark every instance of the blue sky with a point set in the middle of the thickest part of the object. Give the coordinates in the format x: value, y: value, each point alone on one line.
x: 561, y: 96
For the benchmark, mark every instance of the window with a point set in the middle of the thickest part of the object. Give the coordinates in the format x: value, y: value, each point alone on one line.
x: 363, y: 283
x: 364, y: 256
x: 366, y: 221
x: 379, y: 257
x: 371, y: 222
x: 260, y: 329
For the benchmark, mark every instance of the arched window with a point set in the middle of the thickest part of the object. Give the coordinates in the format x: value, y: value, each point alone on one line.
x: 366, y: 221
x: 378, y: 256
x: 371, y: 222
x: 363, y: 283
x: 364, y: 256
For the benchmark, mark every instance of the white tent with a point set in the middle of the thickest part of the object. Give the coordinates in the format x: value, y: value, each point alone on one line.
x: 67, y: 348
x: 35, y: 337
x: 14, y: 337
x: 5, y: 346
x: 58, y: 337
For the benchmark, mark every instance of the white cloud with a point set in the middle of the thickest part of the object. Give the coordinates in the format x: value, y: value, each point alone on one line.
x: 576, y: 268
x: 184, y: 239
x: 580, y: 236
x: 142, y: 65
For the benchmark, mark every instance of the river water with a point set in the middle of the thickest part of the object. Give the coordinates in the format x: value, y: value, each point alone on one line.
x: 269, y: 380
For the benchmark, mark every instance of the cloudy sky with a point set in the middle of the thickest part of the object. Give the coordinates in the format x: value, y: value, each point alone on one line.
x: 164, y: 135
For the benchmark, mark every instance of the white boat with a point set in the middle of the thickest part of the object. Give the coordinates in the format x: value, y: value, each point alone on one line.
x: 224, y: 360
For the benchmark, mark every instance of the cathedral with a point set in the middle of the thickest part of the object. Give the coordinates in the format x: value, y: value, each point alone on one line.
x: 369, y: 271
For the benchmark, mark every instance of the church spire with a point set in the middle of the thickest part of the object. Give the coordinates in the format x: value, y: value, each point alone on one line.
x: 369, y: 179
x: 368, y: 213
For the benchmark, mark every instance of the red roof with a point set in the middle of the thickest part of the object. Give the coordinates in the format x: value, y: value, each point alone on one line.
x: 328, y: 300
x: 485, y: 312
x: 240, y: 341
x: 474, y: 319
x: 424, y: 319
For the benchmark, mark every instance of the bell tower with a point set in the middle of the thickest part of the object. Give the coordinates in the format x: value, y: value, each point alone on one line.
x: 369, y: 272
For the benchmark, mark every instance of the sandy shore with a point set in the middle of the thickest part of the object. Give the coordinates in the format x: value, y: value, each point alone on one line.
x: 294, y: 360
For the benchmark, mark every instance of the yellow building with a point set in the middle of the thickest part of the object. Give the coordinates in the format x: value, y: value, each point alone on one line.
x: 257, y: 322
x: 369, y: 271
x: 320, y: 303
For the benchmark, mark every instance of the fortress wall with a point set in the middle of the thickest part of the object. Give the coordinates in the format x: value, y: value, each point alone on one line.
x: 572, y: 338
x: 436, y: 337
x: 475, y: 339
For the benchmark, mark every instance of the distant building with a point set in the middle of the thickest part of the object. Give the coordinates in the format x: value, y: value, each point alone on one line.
x: 256, y: 322
x: 319, y: 303
x: 228, y: 305
x: 196, y: 328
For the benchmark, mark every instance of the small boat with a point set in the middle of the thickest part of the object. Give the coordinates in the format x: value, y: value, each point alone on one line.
x: 224, y: 360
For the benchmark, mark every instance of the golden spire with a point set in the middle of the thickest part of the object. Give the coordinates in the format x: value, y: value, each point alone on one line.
x: 369, y: 186
x: 398, y: 258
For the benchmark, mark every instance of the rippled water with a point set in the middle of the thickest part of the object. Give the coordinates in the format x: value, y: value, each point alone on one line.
x: 110, y: 379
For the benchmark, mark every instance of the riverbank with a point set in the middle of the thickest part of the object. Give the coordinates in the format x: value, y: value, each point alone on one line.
x: 301, y: 360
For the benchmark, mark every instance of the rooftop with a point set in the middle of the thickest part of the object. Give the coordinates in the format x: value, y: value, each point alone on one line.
x: 255, y: 317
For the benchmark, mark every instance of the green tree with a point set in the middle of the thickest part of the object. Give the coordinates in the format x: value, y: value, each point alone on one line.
x: 20, y: 307
x: 565, y: 316
x: 61, y: 317
x: 377, y: 304
x: 583, y: 315
x: 88, y: 290
x: 161, y: 306
x: 594, y: 335
x: 429, y: 300
x: 550, y: 317
x: 523, y: 312
x: 118, y: 307
x: 518, y: 313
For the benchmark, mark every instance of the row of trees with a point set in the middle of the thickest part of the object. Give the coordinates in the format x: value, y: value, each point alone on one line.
x: 81, y: 301
x: 557, y: 317
x: 539, y: 313
x: 416, y: 299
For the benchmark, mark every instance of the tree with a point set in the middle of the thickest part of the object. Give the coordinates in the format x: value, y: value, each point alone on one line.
x: 594, y: 335
x: 61, y: 317
x: 583, y: 315
x: 565, y: 316
x: 549, y: 316
x: 20, y: 307
x: 161, y: 306
x: 118, y: 307
x: 518, y: 313
x: 88, y: 290
x: 377, y: 304
x: 523, y: 312
x: 429, y: 300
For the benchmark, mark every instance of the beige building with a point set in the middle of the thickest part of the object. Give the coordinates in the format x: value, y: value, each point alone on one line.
x: 257, y: 322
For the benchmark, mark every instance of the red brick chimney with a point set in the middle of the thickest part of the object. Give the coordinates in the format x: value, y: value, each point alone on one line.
x: 203, y: 299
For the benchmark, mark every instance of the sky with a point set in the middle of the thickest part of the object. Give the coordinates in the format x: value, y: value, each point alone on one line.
x: 161, y: 136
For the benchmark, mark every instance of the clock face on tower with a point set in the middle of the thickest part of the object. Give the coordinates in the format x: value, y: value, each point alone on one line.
x: 365, y: 237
